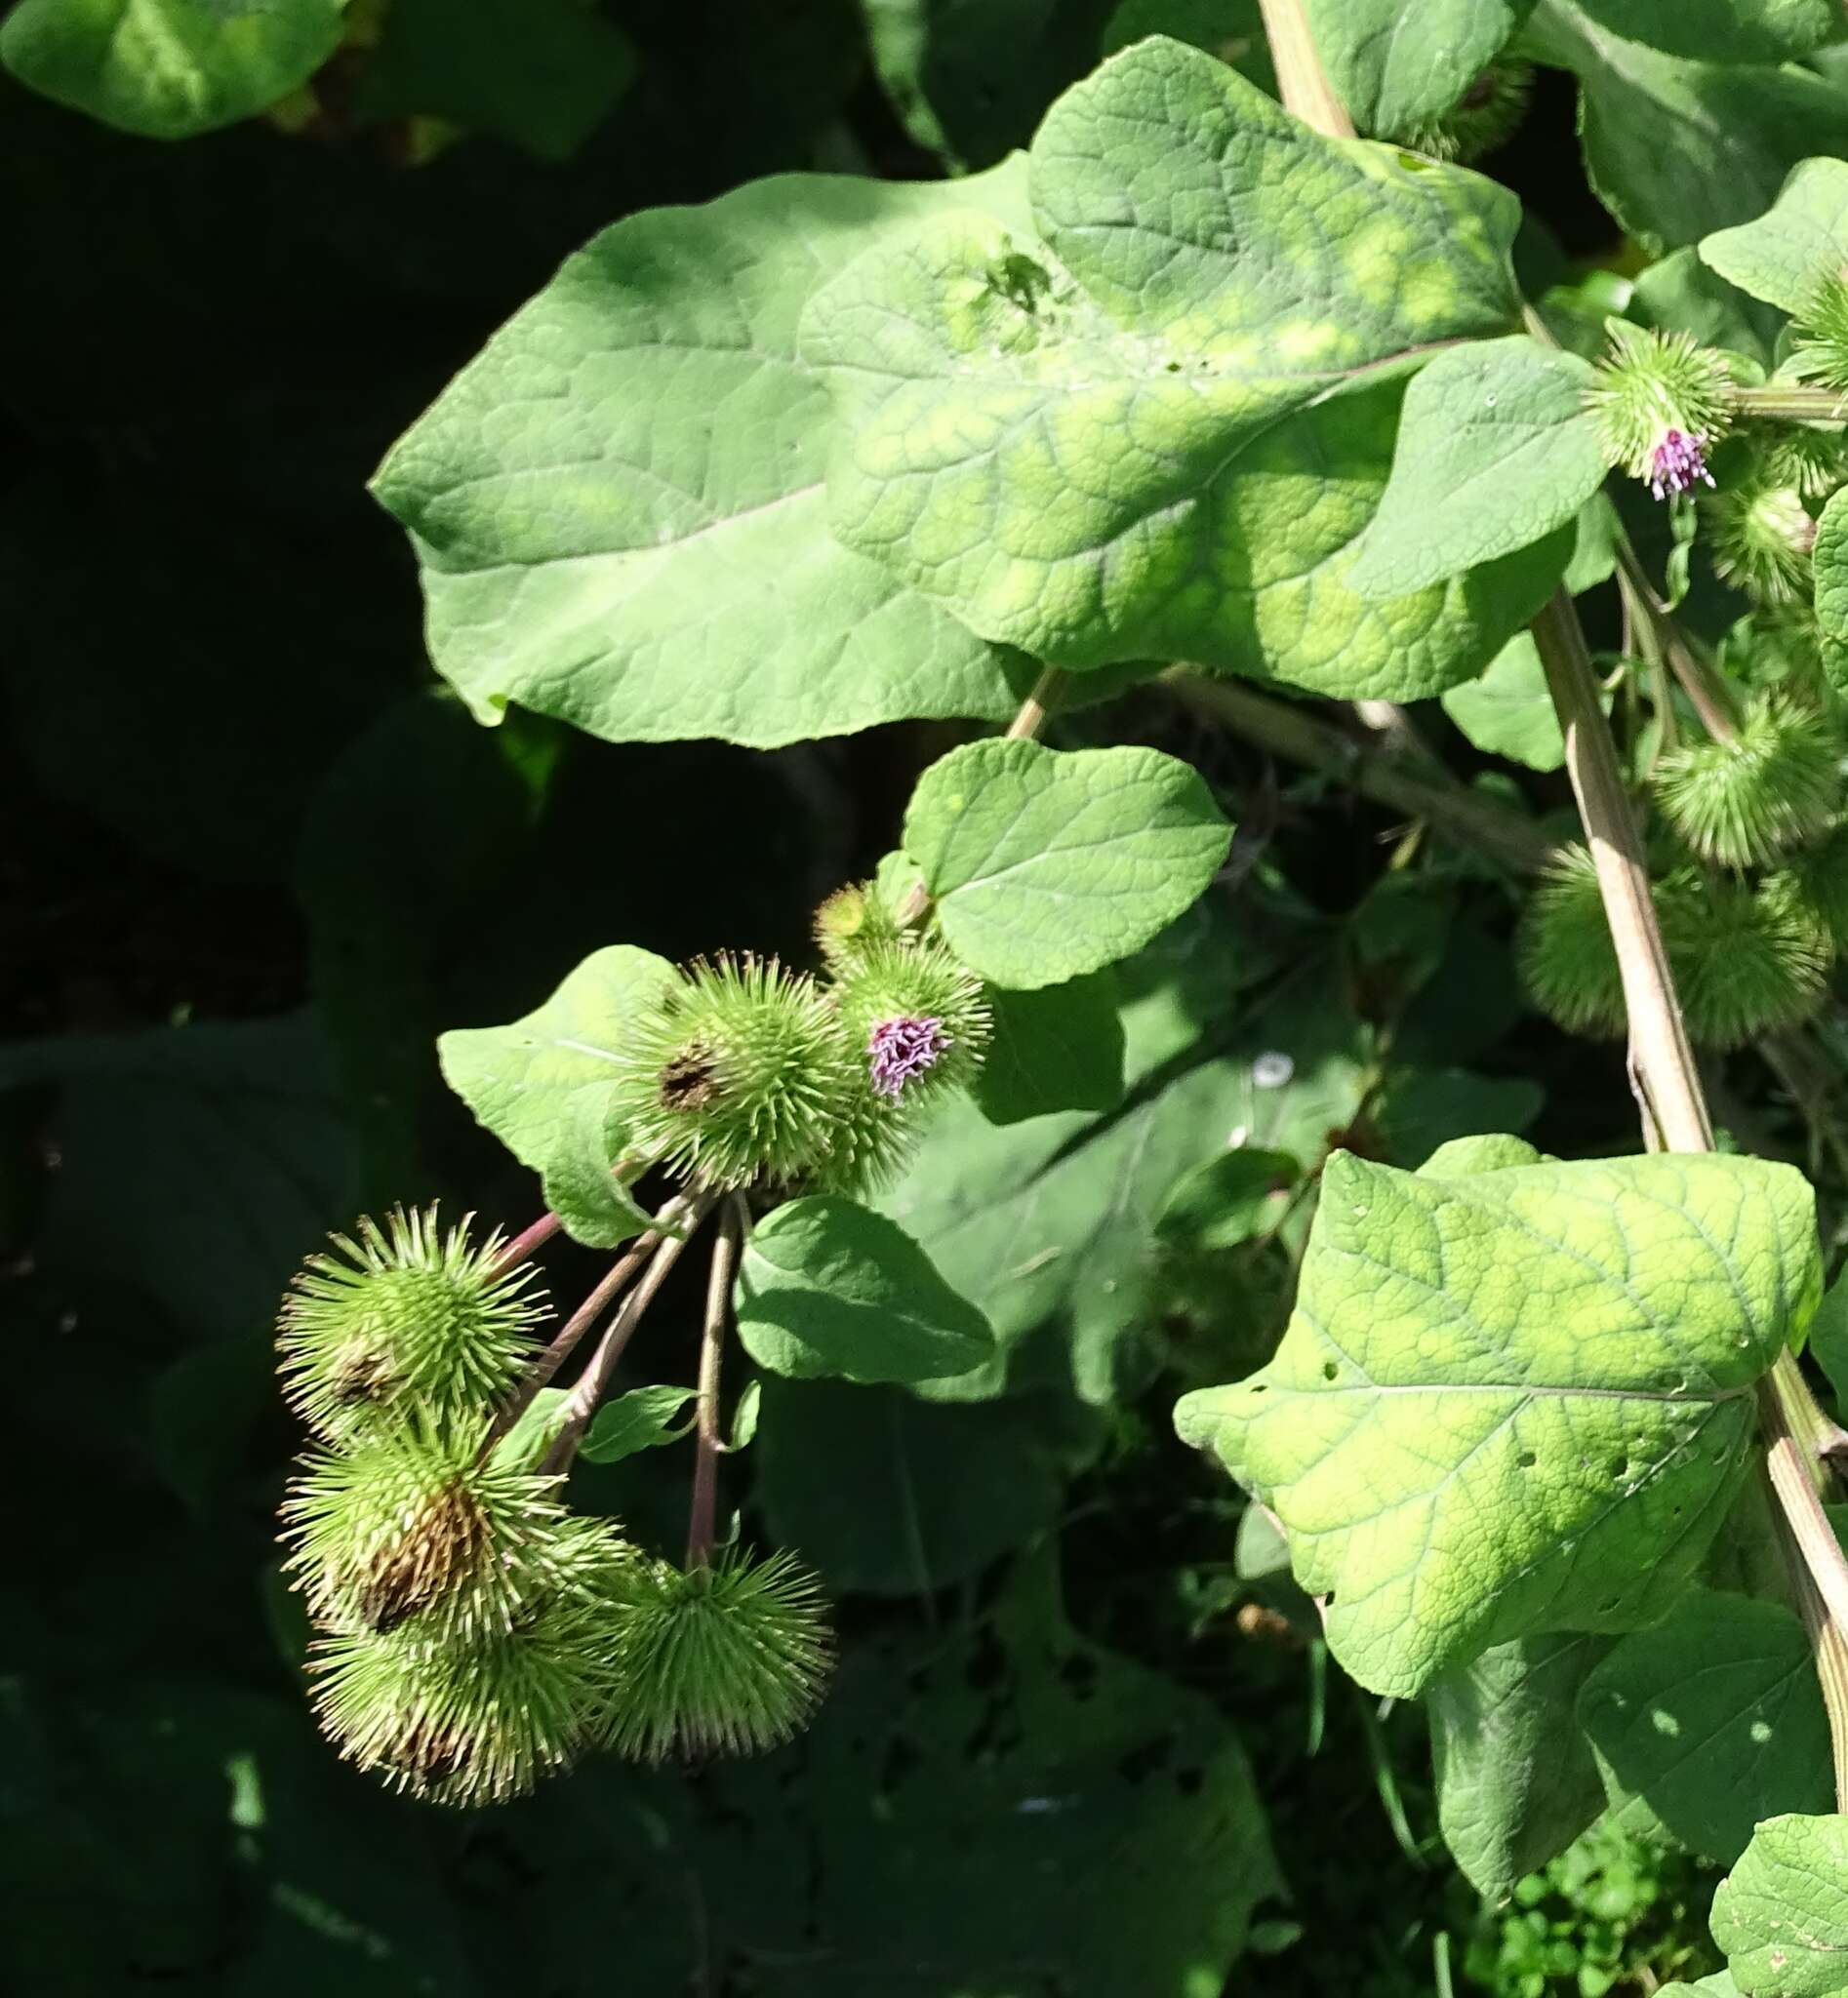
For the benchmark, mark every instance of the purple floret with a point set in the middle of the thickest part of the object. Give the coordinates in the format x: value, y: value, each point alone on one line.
x: 901, y: 1049
x: 1679, y: 462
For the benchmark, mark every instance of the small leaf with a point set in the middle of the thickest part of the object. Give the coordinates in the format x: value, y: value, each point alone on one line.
x: 1060, y: 1048
x: 745, y: 1414
x: 1229, y: 1199
x: 1508, y: 711
x: 1802, y: 237
x: 1780, y: 1915
x: 1829, y: 560
x: 1496, y: 450
x: 169, y: 68
x: 1516, y: 1783
x: 580, y: 1179
x: 635, y: 1421
x: 1045, y: 866
x: 1829, y: 1338
x: 539, y: 1422
x: 1713, y: 1720
x: 827, y: 1287
x: 521, y: 1080
x: 1515, y: 1403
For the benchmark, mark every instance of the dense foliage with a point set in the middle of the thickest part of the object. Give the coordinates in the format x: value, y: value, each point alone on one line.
x: 1111, y: 684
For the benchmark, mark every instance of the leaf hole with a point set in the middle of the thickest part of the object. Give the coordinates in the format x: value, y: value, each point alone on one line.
x: 1528, y: 1459
x: 1330, y: 1371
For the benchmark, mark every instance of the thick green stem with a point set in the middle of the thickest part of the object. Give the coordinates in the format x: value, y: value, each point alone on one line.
x: 1790, y: 402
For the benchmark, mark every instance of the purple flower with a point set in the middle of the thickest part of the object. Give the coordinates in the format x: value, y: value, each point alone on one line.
x: 904, y: 1048
x: 1679, y: 460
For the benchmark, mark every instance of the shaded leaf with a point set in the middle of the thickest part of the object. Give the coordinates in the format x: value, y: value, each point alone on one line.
x: 1508, y: 711
x: 1800, y: 238
x: 1060, y: 1048
x: 829, y: 1286
x: 582, y: 1153
x: 1395, y: 64
x: 1713, y: 1720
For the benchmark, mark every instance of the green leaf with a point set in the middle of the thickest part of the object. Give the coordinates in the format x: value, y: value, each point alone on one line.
x: 1230, y: 1198
x: 1496, y: 450
x: 1800, y: 238
x: 229, y: 1134
x: 1719, y: 1986
x: 1722, y: 30
x: 1508, y: 711
x: 1463, y: 1158
x: 1676, y: 150
x: 1713, y: 1720
x: 1780, y: 1915
x: 1515, y: 1781
x: 1419, y: 1111
x: 542, y: 74
x: 523, y: 1080
x: 1829, y: 1338
x: 169, y: 68
x: 1045, y: 865
x: 532, y: 1434
x: 637, y: 1420
x: 1060, y: 1048
x: 996, y: 1810
x: 1395, y: 64
x: 888, y: 1494
x: 580, y: 1171
x: 618, y: 505
x: 1682, y: 293
x: 1517, y: 1402
x: 1234, y: 30
x: 1056, y: 1220
x: 827, y: 1287
x: 1158, y: 431
x: 1829, y: 561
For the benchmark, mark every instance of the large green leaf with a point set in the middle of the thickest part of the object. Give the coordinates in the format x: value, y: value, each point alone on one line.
x: 169, y: 68
x: 542, y: 74
x: 994, y: 1810
x: 887, y: 1495
x: 829, y: 1286
x: 1496, y: 450
x: 1060, y: 1048
x: 1800, y: 238
x: 1520, y: 1402
x: 1515, y: 1780
x: 1712, y: 1720
x: 1059, y: 1217
x: 1157, y: 431
x: 1722, y: 30
x: 618, y: 505
x: 1047, y: 865
x: 1676, y: 150
x: 1780, y: 1915
x: 1397, y: 63
x: 524, y: 1080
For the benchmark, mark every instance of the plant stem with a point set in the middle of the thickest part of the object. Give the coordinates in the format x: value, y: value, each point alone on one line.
x: 1301, y: 81
x: 1790, y: 402
x: 1037, y: 705
x: 703, y: 1514
x: 1289, y: 729
x: 1712, y: 698
x: 594, y: 1382
x: 538, y: 1375
x: 528, y: 1239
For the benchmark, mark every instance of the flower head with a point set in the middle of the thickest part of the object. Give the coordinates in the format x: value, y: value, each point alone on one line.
x: 1678, y: 463
x: 899, y: 1049
x: 1661, y: 401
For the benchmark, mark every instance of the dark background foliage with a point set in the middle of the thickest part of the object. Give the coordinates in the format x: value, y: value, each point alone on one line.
x: 252, y: 860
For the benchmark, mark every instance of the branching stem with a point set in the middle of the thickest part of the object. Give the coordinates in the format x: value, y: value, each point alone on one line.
x: 593, y: 1383
x: 1713, y: 699
x: 703, y: 1513
x: 528, y: 1239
